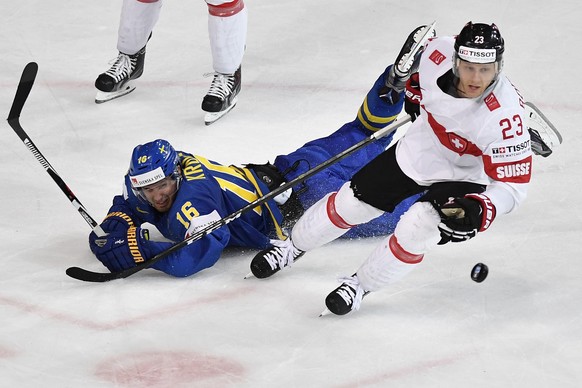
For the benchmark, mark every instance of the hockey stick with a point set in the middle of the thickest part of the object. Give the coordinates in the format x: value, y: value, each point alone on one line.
x: 544, y: 135
x: 89, y: 276
x: 22, y: 92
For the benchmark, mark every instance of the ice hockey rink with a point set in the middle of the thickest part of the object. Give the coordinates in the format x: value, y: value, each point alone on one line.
x: 307, y: 67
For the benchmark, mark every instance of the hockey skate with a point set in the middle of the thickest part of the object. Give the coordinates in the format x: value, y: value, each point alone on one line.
x: 222, y: 96
x: 346, y: 297
x: 114, y: 82
x: 403, y: 65
x: 271, y: 260
x: 544, y: 136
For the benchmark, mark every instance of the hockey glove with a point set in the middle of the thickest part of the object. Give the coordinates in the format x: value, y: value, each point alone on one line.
x: 463, y: 217
x: 413, y: 97
x: 121, y: 250
x: 116, y: 221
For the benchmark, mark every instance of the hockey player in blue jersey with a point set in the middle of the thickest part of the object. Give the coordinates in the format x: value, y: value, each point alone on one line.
x: 179, y: 193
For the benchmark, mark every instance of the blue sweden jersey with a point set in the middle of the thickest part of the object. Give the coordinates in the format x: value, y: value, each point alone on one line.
x: 207, y: 188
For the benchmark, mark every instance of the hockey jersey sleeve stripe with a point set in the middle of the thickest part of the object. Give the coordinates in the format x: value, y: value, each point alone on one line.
x: 511, y: 172
x: 371, y: 121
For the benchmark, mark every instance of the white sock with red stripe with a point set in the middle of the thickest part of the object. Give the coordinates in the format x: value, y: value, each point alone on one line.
x: 415, y: 234
x: 387, y: 264
x: 227, y: 29
x: 331, y: 217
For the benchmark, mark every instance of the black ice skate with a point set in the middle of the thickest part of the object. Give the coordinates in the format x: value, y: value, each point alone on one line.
x: 222, y: 96
x: 544, y: 136
x: 403, y: 65
x: 271, y: 260
x: 346, y: 297
x: 114, y: 82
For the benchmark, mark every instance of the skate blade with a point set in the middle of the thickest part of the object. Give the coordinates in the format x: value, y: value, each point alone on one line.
x: 102, y: 97
x: 212, y: 117
x: 250, y: 275
x: 325, y: 312
x: 407, y: 60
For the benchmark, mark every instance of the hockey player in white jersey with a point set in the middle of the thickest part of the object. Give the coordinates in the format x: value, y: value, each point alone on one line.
x: 227, y: 28
x: 468, y: 152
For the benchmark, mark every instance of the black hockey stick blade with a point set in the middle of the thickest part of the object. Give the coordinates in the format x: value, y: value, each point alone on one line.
x: 90, y: 276
x: 24, y: 88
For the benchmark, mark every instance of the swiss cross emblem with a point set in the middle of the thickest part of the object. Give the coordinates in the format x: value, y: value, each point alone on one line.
x: 458, y: 144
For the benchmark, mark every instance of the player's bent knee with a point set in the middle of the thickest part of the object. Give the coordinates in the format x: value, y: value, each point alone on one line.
x: 352, y: 210
x: 417, y: 231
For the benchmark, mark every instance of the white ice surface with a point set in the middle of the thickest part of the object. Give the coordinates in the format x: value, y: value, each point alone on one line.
x: 307, y: 67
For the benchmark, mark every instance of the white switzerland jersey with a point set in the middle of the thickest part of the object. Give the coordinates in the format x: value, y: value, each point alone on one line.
x: 482, y: 140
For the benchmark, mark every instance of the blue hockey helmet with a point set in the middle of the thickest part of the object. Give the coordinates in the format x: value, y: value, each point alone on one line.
x: 152, y: 162
x: 479, y: 43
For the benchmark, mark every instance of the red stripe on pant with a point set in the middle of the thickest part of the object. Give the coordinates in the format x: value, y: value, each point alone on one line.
x: 226, y: 9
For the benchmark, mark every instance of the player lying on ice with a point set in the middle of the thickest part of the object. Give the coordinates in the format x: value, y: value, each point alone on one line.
x: 467, y: 154
x: 180, y: 193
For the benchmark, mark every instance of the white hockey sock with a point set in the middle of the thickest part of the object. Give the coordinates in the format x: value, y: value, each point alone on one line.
x: 416, y: 233
x: 387, y: 264
x: 227, y: 29
x: 138, y: 19
x: 315, y: 228
x: 331, y: 217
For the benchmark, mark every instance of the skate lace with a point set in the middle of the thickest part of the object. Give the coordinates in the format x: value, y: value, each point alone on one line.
x: 351, y: 291
x: 280, y: 257
x: 221, y: 85
x: 122, y: 67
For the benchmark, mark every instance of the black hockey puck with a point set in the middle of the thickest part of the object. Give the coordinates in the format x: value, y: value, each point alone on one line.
x: 479, y: 272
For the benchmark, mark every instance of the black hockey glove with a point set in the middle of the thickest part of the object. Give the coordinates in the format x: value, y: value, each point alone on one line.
x: 462, y: 218
x: 413, y: 97
x: 267, y: 173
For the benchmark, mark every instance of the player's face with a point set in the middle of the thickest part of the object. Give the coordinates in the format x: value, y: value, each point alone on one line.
x: 474, y: 78
x: 161, y: 194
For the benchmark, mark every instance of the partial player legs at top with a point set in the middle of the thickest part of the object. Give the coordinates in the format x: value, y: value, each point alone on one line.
x: 137, y: 21
x: 227, y: 29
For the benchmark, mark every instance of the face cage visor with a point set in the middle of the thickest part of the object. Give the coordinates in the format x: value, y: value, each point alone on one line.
x: 457, y: 60
x: 150, y: 178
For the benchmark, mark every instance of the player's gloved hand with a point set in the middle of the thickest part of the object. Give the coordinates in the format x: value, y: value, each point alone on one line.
x: 116, y: 221
x: 121, y: 250
x: 413, y: 97
x: 463, y: 217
